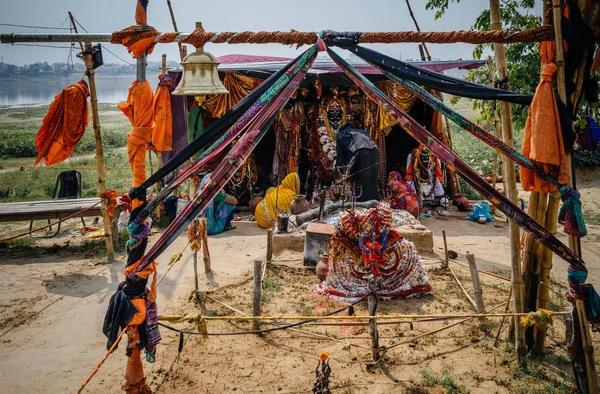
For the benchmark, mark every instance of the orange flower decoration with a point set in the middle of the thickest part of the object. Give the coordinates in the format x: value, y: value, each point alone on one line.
x: 323, y: 356
x: 111, y: 201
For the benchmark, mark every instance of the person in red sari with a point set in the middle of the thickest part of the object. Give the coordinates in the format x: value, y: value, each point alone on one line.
x: 402, y: 196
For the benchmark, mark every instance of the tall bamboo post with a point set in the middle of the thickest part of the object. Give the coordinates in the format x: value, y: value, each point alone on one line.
x: 372, y: 307
x: 418, y: 28
x: 256, y: 294
x: 89, y: 63
x: 511, y: 184
x: 497, y: 128
x: 574, y: 242
x: 182, y: 49
x: 477, y: 290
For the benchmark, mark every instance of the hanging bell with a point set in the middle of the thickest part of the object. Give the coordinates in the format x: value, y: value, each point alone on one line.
x: 200, y: 76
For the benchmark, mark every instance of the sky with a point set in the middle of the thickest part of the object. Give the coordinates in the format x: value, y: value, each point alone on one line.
x: 106, y: 16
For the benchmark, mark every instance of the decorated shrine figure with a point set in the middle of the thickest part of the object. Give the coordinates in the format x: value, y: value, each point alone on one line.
x: 364, y: 246
x: 334, y: 111
x: 424, y: 175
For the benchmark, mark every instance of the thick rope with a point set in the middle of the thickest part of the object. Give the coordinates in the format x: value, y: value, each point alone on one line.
x: 200, y: 37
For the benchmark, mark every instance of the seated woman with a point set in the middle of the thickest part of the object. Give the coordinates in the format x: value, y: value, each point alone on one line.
x: 266, y: 212
x: 364, y: 246
x: 402, y: 196
x: 219, y: 212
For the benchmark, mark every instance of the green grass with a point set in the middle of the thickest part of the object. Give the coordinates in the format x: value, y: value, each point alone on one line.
x: 431, y: 379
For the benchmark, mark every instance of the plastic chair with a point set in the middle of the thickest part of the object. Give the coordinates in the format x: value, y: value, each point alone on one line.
x: 68, y: 186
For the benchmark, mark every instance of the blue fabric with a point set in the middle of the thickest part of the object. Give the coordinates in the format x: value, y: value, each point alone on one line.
x: 482, y: 209
x: 593, y: 302
x: 579, y: 276
x: 217, y: 218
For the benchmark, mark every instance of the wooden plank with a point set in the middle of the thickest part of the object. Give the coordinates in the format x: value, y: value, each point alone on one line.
x: 52, y: 209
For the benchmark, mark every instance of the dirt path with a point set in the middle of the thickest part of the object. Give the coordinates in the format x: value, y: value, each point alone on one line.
x: 52, y: 307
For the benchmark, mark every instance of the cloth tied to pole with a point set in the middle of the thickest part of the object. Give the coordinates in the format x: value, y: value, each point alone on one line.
x: 111, y: 201
x: 139, y: 109
x: 162, y: 135
x: 64, y: 125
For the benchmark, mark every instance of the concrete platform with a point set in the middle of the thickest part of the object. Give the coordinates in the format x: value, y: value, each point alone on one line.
x: 423, y: 240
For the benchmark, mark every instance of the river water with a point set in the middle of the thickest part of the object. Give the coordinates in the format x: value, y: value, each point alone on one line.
x: 41, y: 91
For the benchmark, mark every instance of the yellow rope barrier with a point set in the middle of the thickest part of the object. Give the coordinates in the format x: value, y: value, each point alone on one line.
x: 179, y: 318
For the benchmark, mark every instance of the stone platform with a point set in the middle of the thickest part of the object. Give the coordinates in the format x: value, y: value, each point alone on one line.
x: 422, y: 238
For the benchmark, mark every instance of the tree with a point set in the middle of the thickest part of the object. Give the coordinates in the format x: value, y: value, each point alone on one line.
x: 523, y: 60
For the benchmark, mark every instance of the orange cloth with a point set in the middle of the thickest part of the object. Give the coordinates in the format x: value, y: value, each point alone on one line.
x: 139, y: 109
x: 542, y: 141
x: 162, y: 137
x: 135, y: 380
x: 144, y: 274
x: 64, y: 125
x: 238, y: 86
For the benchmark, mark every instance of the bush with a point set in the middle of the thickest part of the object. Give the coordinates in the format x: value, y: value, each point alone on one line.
x: 587, y: 158
x: 6, y: 192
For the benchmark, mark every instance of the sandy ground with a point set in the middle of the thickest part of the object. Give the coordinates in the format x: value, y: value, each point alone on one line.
x: 52, y: 305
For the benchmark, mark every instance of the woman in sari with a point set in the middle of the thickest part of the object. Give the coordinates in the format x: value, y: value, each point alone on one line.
x: 402, y: 196
x: 219, y: 212
x: 277, y: 200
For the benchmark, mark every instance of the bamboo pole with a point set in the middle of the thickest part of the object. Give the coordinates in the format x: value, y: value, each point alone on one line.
x: 511, y: 191
x: 574, y: 242
x: 497, y: 127
x: 445, y: 265
x: 465, y: 292
x: 182, y: 49
x: 480, y: 307
x: 587, y: 345
x: 256, y: 294
x: 108, y: 237
x: 372, y: 307
x: 418, y: 28
x: 205, y: 251
x: 503, y: 318
x: 196, y: 288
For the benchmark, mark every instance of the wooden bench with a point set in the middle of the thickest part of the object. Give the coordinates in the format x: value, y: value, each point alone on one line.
x: 56, y: 209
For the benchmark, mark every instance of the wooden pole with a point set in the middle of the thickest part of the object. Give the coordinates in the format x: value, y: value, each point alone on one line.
x: 205, y: 251
x: 89, y: 62
x: 511, y: 192
x: 182, y: 49
x: 418, y: 28
x: 256, y: 294
x: 462, y: 288
x: 372, y: 307
x: 574, y: 242
x: 503, y: 318
x: 588, y: 348
x: 196, y: 289
x: 480, y: 307
x: 445, y: 265
x: 497, y: 125
x: 269, y: 246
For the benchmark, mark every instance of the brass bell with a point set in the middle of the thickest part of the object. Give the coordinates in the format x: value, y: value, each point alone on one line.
x: 200, y: 76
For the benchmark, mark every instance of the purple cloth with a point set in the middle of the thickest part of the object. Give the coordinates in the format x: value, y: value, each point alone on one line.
x: 179, y: 113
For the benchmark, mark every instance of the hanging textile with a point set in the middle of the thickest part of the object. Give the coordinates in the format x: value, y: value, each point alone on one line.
x: 402, y: 97
x: 139, y: 110
x: 236, y: 156
x: 430, y: 79
x: 64, y: 125
x: 542, y: 141
x: 162, y: 135
x: 179, y: 114
x: 255, y: 100
x: 287, y: 144
x: 446, y: 155
x: 261, y: 95
x: 570, y: 213
x: 238, y: 86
